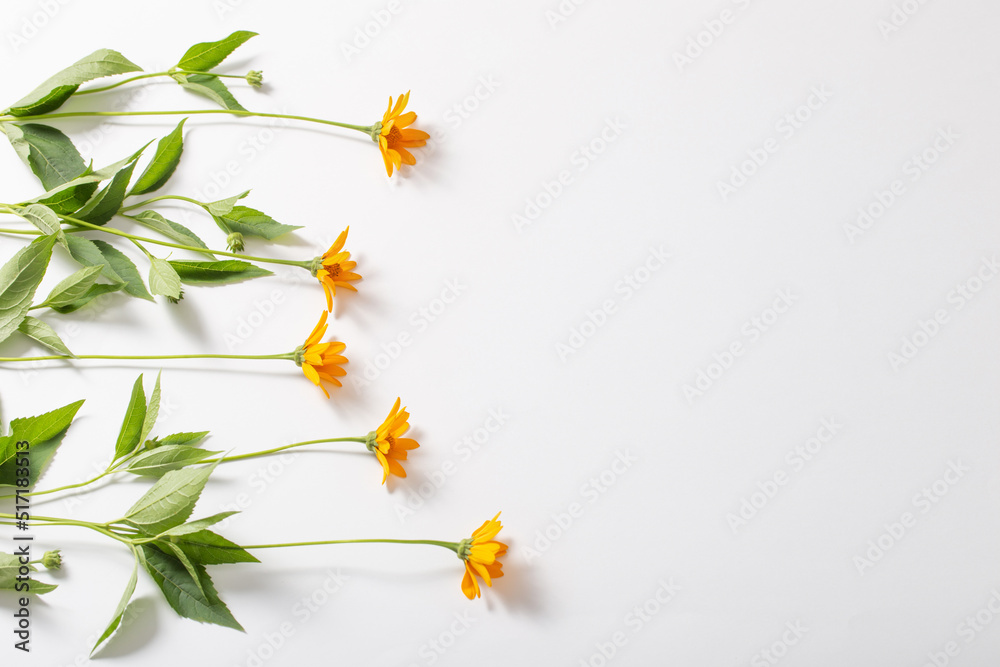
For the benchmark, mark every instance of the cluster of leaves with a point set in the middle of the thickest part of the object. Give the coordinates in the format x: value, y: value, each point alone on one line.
x: 173, y: 550
x: 75, y: 191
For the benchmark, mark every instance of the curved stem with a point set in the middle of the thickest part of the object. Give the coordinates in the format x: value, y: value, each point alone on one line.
x: 241, y: 457
x: 51, y: 521
x: 448, y: 545
x: 152, y: 75
x: 287, y: 355
x: 161, y: 198
x: 366, y: 129
x: 63, y: 488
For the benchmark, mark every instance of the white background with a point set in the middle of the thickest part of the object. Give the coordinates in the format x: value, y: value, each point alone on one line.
x: 555, y: 85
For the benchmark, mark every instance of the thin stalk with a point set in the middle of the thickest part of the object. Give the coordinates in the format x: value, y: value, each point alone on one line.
x: 447, y: 545
x: 152, y: 75
x: 147, y: 357
x: 265, y: 452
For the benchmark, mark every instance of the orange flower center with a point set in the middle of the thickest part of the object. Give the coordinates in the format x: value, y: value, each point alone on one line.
x: 391, y: 441
x: 334, y: 270
x: 393, y: 137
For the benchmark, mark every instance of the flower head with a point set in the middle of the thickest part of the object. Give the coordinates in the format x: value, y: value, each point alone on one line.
x: 394, y: 135
x: 255, y: 78
x: 334, y: 269
x: 321, y: 361
x: 387, y: 445
x: 52, y: 560
x: 480, y: 553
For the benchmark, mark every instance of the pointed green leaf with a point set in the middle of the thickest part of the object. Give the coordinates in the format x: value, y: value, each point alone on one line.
x: 251, y: 222
x: 161, y: 168
x: 162, y: 459
x: 211, y: 87
x: 216, y: 273
x: 181, y: 439
x: 152, y: 411
x: 9, y: 572
x: 200, y: 524
x: 73, y: 287
x: 189, y: 599
x: 224, y: 206
x: 95, y: 291
x: 172, y: 230
x: 40, y: 331
x: 42, y: 217
x: 122, y: 605
x: 123, y: 267
x: 206, y: 55
x: 45, y: 433
x: 106, y: 203
x: 19, y: 278
x: 135, y: 415
x: 163, y: 279
x: 53, y: 92
x: 170, y: 501
x: 51, y: 155
x: 179, y: 554
x: 210, y: 548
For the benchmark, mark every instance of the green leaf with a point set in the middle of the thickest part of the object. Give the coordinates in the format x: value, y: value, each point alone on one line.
x: 251, y: 222
x: 122, y: 605
x: 123, y: 267
x: 44, y: 432
x: 9, y: 572
x: 83, y: 186
x: 72, y: 287
x: 170, y: 501
x: 152, y: 411
x: 209, y: 548
x: 44, y: 334
x: 163, y: 279
x: 105, y: 204
x: 206, y: 55
x: 179, y: 554
x: 161, y: 168
x: 162, y: 459
x: 51, y: 155
x: 135, y: 415
x: 216, y: 273
x: 42, y: 217
x: 53, y: 92
x: 198, y: 601
x: 69, y: 199
x: 182, y: 439
x: 224, y: 206
x: 200, y: 524
x: 95, y: 291
x: 19, y: 278
x: 210, y: 87
x: 172, y: 230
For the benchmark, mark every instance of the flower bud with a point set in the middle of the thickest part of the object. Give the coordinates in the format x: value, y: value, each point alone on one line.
x: 235, y: 242
x: 52, y: 560
x: 255, y: 78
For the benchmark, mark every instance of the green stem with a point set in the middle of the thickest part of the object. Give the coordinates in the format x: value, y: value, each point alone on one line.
x: 287, y: 355
x: 63, y: 488
x: 51, y: 521
x: 161, y: 198
x: 117, y: 232
x: 366, y: 129
x: 152, y: 75
x: 448, y: 545
x: 241, y: 457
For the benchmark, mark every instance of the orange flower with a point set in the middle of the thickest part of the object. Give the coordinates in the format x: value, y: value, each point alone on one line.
x: 321, y: 361
x: 394, y: 137
x: 480, y: 554
x: 388, y: 446
x: 334, y: 269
